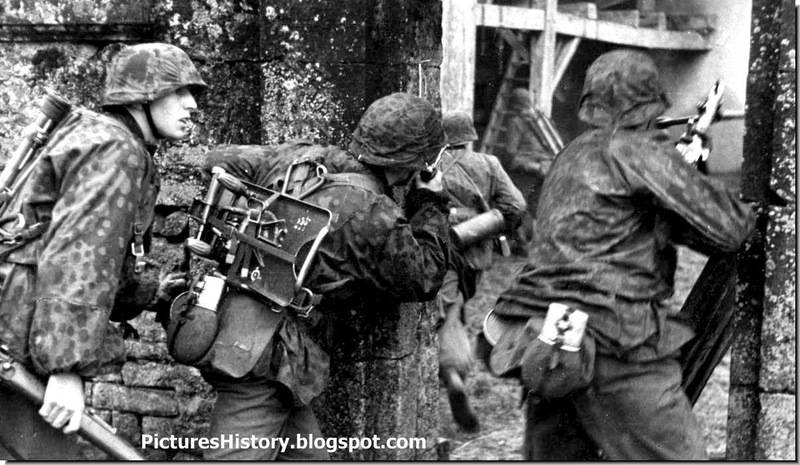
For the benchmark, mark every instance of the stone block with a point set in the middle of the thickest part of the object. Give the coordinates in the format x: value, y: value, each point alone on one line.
x: 743, y: 408
x: 777, y: 432
x: 402, y: 354
x: 178, y: 193
x: 150, y: 351
x: 181, y: 378
x: 172, y: 225
x: 149, y: 330
x: 137, y: 400
x: 127, y: 426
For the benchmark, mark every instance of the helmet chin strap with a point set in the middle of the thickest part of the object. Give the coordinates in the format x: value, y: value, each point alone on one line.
x: 149, y: 115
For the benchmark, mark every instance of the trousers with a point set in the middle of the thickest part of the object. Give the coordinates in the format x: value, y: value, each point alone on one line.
x: 631, y: 411
x: 256, y: 406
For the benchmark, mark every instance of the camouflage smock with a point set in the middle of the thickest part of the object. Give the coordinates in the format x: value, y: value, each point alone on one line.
x: 612, y: 205
x: 475, y: 182
x: 95, y: 179
x: 373, y: 254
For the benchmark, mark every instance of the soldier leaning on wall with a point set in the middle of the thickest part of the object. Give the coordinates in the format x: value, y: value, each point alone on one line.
x: 375, y: 254
x: 475, y: 183
x: 95, y: 189
x: 614, y: 205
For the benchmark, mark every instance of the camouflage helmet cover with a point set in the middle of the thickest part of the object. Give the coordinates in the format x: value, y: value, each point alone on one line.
x: 145, y: 72
x: 398, y: 130
x: 622, y: 89
x: 459, y: 128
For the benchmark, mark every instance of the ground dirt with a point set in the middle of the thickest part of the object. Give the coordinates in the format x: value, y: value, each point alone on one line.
x: 497, y: 401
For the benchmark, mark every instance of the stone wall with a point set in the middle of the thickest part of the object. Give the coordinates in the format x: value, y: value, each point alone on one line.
x: 276, y: 70
x: 762, y: 410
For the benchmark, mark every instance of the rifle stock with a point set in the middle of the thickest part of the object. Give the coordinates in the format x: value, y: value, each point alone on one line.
x: 92, y: 428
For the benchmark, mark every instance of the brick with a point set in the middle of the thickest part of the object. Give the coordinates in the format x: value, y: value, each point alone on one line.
x: 137, y: 400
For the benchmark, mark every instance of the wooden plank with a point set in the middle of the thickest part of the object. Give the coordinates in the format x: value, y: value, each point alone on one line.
x: 629, y: 17
x: 458, y: 56
x: 582, y: 9
x: 565, y: 54
x: 99, y: 34
x: 528, y: 19
x: 704, y: 24
x: 543, y: 51
x: 654, y: 19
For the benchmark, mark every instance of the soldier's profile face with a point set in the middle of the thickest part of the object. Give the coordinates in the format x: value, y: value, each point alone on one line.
x: 172, y: 114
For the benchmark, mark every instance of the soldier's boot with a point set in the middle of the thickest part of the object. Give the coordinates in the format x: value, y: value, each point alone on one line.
x: 455, y: 361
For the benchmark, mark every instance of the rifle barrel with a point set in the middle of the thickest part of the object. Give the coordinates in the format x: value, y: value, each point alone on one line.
x: 92, y: 429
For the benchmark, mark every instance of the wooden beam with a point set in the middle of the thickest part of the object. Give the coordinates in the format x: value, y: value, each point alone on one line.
x: 457, y: 82
x: 529, y: 19
x: 543, y: 51
x: 565, y: 54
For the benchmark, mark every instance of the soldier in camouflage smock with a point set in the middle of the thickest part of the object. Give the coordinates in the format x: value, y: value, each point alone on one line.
x: 95, y: 188
x: 613, y: 205
x: 475, y: 182
x: 375, y: 255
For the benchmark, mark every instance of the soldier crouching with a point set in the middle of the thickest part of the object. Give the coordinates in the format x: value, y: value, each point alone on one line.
x: 374, y: 253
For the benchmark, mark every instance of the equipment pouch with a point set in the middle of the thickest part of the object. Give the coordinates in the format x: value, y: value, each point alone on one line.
x: 551, y: 354
x: 560, y: 360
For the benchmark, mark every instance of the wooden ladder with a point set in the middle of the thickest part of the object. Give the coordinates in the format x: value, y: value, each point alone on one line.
x: 497, y: 125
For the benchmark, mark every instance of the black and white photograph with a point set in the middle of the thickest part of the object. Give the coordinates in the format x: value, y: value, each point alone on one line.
x: 398, y: 230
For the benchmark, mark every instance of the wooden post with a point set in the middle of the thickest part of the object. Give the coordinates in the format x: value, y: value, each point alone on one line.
x: 543, y: 48
x: 457, y: 81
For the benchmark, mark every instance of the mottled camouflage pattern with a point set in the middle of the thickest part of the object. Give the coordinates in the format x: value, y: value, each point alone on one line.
x: 373, y: 253
x: 612, y: 205
x: 399, y: 130
x: 94, y: 179
x: 145, y: 72
x: 474, y: 180
x: 622, y: 89
x: 458, y: 128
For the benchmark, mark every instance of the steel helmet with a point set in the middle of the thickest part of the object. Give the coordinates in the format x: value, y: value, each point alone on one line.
x: 145, y: 72
x: 398, y: 130
x: 622, y: 88
x: 458, y: 128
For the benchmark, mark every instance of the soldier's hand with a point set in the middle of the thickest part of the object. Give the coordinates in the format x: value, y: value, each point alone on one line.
x: 170, y: 284
x: 434, y: 185
x: 63, y: 401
